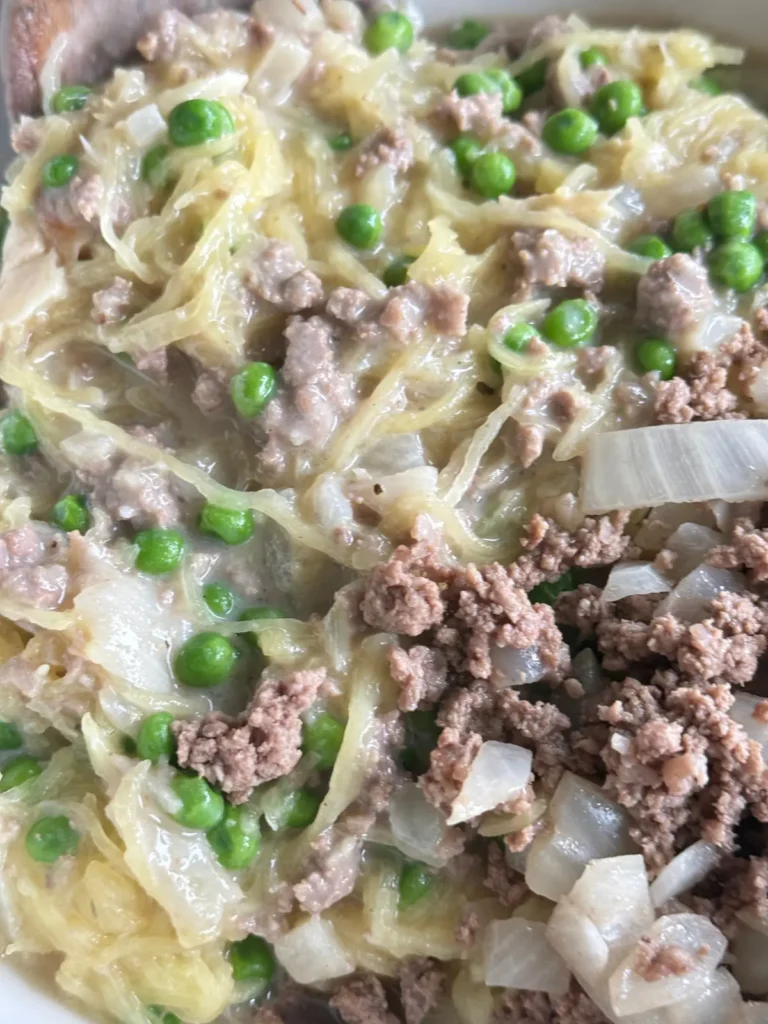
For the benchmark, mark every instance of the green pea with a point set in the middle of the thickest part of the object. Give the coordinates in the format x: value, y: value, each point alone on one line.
x: 163, y: 1016
x: 69, y: 98
x: 201, y: 806
x: 690, y: 231
x: 252, y: 387
x: 511, y: 93
x: 473, y: 82
x: 591, y: 56
x: 155, y: 741
x: 232, y: 525
x: 5, y: 223
x: 206, y: 659
x: 59, y: 170
x: 493, y: 175
x: 397, y: 271
x: 194, y: 122
x: 651, y: 246
x: 615, y: 103
x: 706, y: 85
x: 10, y: 737
x: 733, y: 214
x: 323, y: 737
x: 18, y: 771
x: 533, y: 78
x: 300, y: 809
x: 359, y: 225
x: 414, y: 883
x: 760, y: 242
x: 236, y: 839
x: 160, y: 551
x: 468, y: 35
x: 257, y: 613
x: 421, y: 736
x: 219, y: 599
x: 466, y: 149
x: 390, y: 30
x: 519, y: 336
x: 71, y: 514
x: 657, y: 355
x: 252, y: 959
x: 571, y: 323
x: 737, y: 265
x: 546, y: 593
x: 51, y: 838
x: 154, y: 166
x: 18, y: 434
x: 340, y: 142
x: 570, y: 131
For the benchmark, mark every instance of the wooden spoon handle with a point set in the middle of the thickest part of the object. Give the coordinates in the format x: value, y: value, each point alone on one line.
x: 97, y: 33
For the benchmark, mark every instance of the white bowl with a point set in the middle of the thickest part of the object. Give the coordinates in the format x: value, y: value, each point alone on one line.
x: 744, y: 22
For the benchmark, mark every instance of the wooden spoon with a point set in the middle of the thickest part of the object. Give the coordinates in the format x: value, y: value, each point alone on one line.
x: 97, y: 35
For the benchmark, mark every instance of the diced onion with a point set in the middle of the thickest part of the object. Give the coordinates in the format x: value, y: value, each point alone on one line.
x: 690, y: 599
x: 578, y: 941
x: 678, y: 462
x: 691, y: 542
x: 613, y: 893
x: 694, y: 935
x: 583, y: 824
x: 146, y: 125
x: 311, y: 953
x: 294, y: 18
x: 684, y: 871
x: 418, y: 828
x: 29, y: 286
x: 629, y: 578
x: 753, y: 1013
x: 517, y: 955
x: 719, y: 1003
x: 284, y: 63
x: 758, y: 390
x: 394, y: 455
x: 516, y: 666
x: 498, y: 773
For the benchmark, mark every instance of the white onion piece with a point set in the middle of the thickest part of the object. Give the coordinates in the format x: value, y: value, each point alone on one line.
x: 498, y: 773
x: 693, y: 934
x: 146, y: 125
x: 726, y: 513
x: 586, y: 668
x: 285, y: 62
x: 750, y: 967
x: 719, y: 1003
x: 385, y: 492
x: 753, y: 1013
x: 629, y: 578
x: 516, y: 954
x: 758, y: 390
x: 578, y: 941
x: 613, y: 893
x: 393, y: 455
x: 295, y: 18
x: 516, y: 666
x: 684, y: 871
x: 311, y: 953
x: 712, y: 331
x: 679, y: 462
x: 215, y: 87
x: 584, y: 824
x: 691, y: 542
x: 28, y: 286
x: 743, y: 712
x: 662, y: 521
x: 418, y: 828
x: 690, y: 598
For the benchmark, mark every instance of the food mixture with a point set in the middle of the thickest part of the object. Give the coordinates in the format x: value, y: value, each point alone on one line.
x: 382, y: 560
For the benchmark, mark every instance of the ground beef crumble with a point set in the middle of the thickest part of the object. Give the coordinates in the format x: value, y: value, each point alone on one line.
x: 362, y: 1000
x: 264, y: 743
x: 518, y: 1007
x: 423, y: 983
x: 551, y: 258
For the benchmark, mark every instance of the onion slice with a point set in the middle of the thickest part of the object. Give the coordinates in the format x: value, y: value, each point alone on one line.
x: 418, y: 828
x: 630, y: 578
x: 691, y: 597
x: 311, y: 953
x: 498, y: 773
x: 680, y: 462
x: 517, y: 954
x: 684, y: 871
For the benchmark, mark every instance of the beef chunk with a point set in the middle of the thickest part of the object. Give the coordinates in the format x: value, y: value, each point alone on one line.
x: 423, y: 983
x: 363, y: 1001
x: 552, y: 259
x: 673, y: 295
x: 421, y: 673
x: 331, y: 872
x: 391, y: 147
x: 262, y: 744
x: 520, y: 1007
x: 278, y: 277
